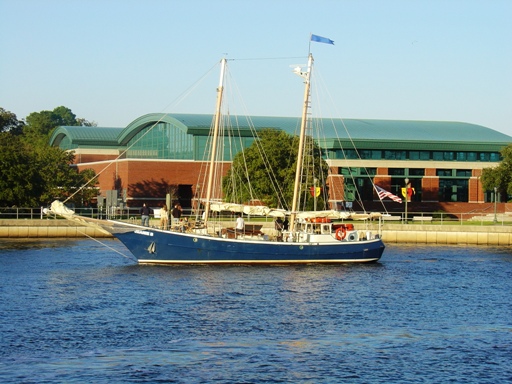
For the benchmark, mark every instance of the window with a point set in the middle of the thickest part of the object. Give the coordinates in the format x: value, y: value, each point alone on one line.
x: 371, y: 171
x: 358, y: 188
x: 357, y: 171
x: 416, y: 172
x: 346, y: 154
x: 463, y: 172
x: 444, y: 172
x: 453, y: 190
x: 396, y: 171
x: 375, y: 155
x: 495, y: 156
x: 395, y: 155
x: 419, y: 155
x: 484, y: 156
x: 161, y: 142
x: 348, y: 171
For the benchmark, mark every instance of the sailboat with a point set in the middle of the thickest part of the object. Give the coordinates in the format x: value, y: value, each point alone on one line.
x: 312, y: 237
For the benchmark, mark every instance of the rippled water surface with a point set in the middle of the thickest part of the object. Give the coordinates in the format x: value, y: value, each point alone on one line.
x: 77, y: 311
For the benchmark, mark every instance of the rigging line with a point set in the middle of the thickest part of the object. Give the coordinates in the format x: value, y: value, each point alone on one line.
x: 234, y: 86
x: 189, y: 90
x: 181, y: 96
x: 320, y: 130
x: 353, y: 146
x: 108, y: 246
x: 249, y: 184
x: 96, y: 240
x: 272, y: 177
x: 269, y: 58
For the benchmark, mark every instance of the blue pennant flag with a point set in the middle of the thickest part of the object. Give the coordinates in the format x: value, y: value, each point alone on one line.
x: 321, y: 39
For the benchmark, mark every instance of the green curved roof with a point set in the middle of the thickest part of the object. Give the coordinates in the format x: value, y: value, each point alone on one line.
x: 146, y: 121
x: 389, y: 134
x: 86, y: 136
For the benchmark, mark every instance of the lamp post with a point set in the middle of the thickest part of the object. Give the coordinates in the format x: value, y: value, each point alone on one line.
x: 406, y: 197
x: 495, y: 200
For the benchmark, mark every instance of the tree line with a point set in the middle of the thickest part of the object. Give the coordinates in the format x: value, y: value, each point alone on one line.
x: 33, y: 173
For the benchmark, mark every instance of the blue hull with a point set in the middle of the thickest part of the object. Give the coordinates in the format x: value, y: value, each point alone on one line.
x: 159, y: 247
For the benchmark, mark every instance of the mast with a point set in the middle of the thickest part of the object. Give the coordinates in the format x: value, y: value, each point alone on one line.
x: 220, y: 90
x: 300, y: 154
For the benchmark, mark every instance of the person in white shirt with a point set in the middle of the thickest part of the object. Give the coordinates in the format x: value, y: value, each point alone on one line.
x: 240, y: 224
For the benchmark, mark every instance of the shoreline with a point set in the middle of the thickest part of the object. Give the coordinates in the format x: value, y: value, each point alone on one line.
x: 392, y: 233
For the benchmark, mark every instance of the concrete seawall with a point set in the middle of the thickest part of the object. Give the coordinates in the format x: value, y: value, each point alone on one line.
x: 392, y: 233
x: 46, y: 228
x: 447, y: 234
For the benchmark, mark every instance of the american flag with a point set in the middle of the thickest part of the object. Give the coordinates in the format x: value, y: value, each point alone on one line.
x: 383, y: 193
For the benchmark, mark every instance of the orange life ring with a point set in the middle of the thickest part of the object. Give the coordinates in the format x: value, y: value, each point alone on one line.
x: 341, y: 233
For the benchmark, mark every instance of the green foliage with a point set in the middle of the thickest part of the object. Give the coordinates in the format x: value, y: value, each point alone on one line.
x: 501, y: 175
x: 40, y: 125
x: 266, y: 170
x: 18, y: 172
x: 88, y: 180
x: 10, y: 123
x: 32, y: 172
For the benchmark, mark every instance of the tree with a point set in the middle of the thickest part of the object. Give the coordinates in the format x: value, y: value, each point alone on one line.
x: 18, y: 172
x: 56, y: 176
x: 266, y: 170
x: 33, y: 173
x: 33, y: 176
x: 501, y: 175
x: 10, y: 123
x: 86, y: 181
x: 40, y: 125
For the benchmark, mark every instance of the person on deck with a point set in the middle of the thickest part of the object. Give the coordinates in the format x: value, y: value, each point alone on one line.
x: 240, y: 224
x: 279, y: 228
x: 164, y: 217
x: 144, y: 215
x: 176, y: 216
x: 285, y: 224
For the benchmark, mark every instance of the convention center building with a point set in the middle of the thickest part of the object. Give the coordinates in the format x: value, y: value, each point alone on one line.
x: 441, y: 161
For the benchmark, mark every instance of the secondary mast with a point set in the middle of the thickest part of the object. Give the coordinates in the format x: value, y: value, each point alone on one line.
x: 300, y: 155
x: 213, y: 158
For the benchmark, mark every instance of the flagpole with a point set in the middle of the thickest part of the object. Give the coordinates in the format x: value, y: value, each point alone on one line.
x: 406, y: 197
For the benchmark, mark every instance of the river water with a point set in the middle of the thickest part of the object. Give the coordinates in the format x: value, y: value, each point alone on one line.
x: 78, y: 311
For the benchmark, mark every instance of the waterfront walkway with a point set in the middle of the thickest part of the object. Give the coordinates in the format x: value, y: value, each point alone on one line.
x: 462, y: 233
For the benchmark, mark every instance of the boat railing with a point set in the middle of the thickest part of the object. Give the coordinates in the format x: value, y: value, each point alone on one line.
x: 226, y: 219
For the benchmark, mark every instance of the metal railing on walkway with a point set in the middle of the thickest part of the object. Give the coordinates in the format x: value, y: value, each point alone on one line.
x: 132, y: 214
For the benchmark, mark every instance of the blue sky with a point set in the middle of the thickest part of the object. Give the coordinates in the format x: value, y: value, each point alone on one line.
x: 111, y: 61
